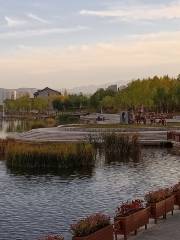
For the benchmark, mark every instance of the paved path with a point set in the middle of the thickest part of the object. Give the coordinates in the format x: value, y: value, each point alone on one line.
x: 82, y: 134
x: 165, y: 230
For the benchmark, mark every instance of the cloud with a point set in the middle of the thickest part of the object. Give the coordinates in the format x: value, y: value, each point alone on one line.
x: 12, y: 22
x: 24, y: 47
x: 138, y: 12
x: 36, y: 18
x: 40, y: 32
x: 135, y: 56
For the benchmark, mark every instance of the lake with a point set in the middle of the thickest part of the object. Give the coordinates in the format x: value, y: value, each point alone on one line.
x: 34, y: 204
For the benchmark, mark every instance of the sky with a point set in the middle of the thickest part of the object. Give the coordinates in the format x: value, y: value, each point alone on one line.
x: 70, y: 43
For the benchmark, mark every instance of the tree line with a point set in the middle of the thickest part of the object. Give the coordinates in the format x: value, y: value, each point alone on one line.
x: 160, y: 94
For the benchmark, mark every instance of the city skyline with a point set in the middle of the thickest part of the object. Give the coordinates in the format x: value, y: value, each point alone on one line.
x: 66, y: 44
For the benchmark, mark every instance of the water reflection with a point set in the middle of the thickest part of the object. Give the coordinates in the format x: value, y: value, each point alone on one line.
x: 104, y: 158
x: 65, y: 174
x: 14, y: 125
x: 10, y: 126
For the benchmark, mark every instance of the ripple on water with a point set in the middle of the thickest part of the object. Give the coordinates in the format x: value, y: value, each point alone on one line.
x: 34, y: 205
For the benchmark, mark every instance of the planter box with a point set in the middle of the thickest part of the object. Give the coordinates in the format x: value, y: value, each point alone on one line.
x: 102, y: 234
x: 170, y: 204
x: 126, y: 225
x: 177, y: 199
x: 158, y: 209
x: 161, y: 208
x: 170, y: 135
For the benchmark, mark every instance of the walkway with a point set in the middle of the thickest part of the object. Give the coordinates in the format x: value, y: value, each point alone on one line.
x: 82, y: 134
x: 165, y: 230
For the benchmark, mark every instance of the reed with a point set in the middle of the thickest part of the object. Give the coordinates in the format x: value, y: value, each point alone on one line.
x: 122, y: 145
x: 21, y: 155
x: 3, y: 144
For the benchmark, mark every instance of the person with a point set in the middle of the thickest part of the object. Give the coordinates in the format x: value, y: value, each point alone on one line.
x: 144, y: 120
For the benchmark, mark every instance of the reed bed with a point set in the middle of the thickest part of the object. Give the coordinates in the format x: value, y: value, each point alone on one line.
x: 120, y: 145
x: 21, y: 155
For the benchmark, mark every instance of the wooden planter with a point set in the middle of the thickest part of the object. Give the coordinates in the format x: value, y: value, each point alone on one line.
x: 169, y: 204
x: 177, y: 199
x: 102, y: 234
x: 126, y: 225
x: 158, y: 209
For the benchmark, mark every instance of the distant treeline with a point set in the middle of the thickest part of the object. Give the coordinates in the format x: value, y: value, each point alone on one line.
x: 160, y: 94
x: 155, y: 94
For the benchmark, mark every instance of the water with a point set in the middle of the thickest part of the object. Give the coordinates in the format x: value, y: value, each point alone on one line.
x: 10, y: 126
x: 32, y: 205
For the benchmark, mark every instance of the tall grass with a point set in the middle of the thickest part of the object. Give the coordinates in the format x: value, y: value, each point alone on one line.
x: 49, y: 155
x: 120, y: 146
x: 3, y: 145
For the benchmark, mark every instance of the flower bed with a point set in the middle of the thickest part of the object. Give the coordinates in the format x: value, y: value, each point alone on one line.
x: 129, y: 217
x: 95, y: 227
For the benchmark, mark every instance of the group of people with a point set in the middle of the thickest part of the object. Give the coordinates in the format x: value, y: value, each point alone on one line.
x: 161, y: 120
x: 152, y: 119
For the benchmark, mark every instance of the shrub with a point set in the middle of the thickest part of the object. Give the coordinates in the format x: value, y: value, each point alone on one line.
x: 67, y: 119
x: 38, y: 124
x: 127, y: 208
x: 51, y: 122
x: 89, y: 225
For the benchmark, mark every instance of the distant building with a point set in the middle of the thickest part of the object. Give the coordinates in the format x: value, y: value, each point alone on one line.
x: 113, y: 88
x: 13, y: 94
x: 25, y: 92
x: 46, y: 92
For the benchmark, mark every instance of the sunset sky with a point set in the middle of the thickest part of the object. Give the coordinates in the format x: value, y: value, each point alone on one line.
x: 70, y: 43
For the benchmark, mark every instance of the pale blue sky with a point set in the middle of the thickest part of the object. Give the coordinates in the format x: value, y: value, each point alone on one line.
x: 68, y: 43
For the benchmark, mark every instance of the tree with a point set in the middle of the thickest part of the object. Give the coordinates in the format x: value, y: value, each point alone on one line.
x: 108, y: 104
x: 97, y: 97
x: 58, y: 104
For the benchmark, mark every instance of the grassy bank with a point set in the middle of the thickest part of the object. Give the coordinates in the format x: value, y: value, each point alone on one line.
x: 49, y: 156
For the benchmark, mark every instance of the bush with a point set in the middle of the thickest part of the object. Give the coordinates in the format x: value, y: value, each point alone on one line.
x: 90, y: 225
x: 67, y: 119
x: 39, y: 124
